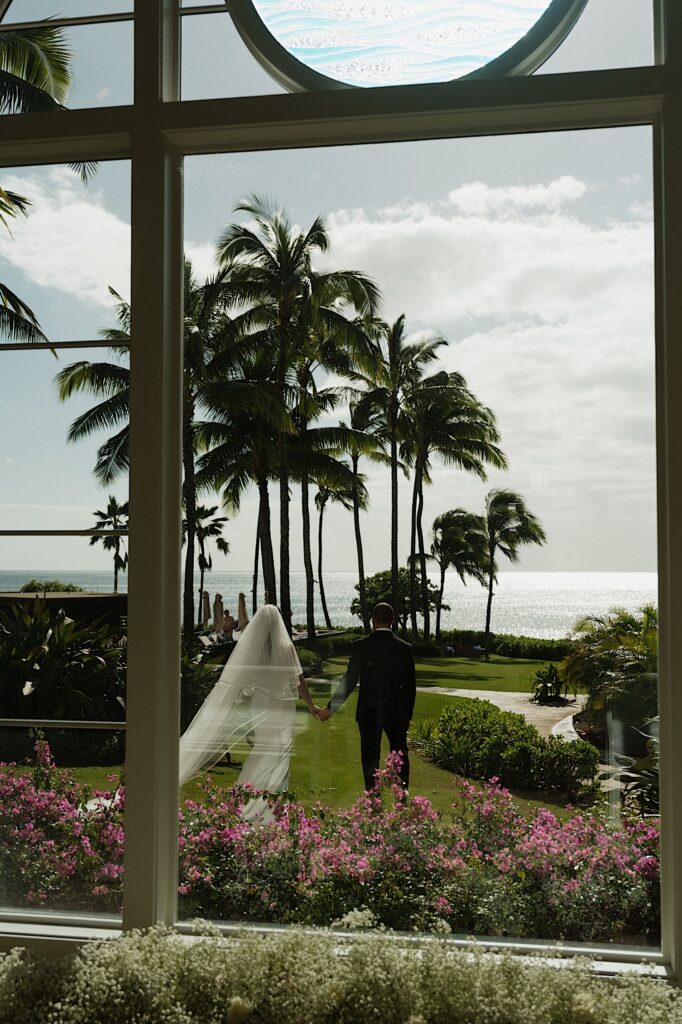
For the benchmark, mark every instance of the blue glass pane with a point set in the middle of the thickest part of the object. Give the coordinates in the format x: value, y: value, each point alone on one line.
x: 398, y: 42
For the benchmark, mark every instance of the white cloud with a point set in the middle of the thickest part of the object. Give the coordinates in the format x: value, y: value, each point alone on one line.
x: 550, y: 319
x: 70, y: 242
x: 102, y: 93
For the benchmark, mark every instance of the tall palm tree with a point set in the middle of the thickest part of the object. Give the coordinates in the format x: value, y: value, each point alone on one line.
x: 443, y: 419
x: 345, y: 496
x: 508, y: 526
x: 210, y: 350
x: 458, y: 543
x: 364, y: 438
x: 396, y: 375
x: 115, y: 517
x: 207, y: 528
x: 282, y: 288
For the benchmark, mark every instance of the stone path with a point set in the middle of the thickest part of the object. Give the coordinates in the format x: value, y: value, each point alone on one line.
x: 543, y: 718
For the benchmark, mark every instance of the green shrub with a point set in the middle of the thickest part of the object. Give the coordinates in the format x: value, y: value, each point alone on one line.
x: 475, y: 739
x: 430, y: 649
x: 50, y: 586
x: 311, y: 661
x: 509, y: 646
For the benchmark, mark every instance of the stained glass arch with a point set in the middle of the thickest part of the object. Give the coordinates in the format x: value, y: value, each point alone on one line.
x: 339, y: 44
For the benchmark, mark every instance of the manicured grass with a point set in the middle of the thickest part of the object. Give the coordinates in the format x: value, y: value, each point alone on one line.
x: 506, y: 675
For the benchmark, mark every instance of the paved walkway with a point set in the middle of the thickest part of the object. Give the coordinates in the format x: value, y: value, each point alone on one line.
x: 543, y: 718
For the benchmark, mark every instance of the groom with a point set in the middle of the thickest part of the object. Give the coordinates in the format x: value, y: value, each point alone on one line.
x: 384, y: 666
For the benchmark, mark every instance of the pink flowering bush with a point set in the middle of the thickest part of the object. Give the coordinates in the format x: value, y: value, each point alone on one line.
x: 488, y: 871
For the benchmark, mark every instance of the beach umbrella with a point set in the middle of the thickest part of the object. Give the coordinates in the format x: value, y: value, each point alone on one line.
x: 218, y: 613
x: 205, y: 609
x: 242, y: 615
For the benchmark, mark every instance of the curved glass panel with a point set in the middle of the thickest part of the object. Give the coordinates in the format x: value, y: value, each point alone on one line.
x: 402, y: 42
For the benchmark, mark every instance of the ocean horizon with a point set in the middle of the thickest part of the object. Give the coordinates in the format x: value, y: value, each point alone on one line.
x: 540, y: 604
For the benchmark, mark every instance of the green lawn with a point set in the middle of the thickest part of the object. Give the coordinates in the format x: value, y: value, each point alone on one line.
x: 508, y: 675
x: 326, y: 761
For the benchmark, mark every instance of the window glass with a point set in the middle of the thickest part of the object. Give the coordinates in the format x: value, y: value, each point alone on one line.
x: 62, y: 660
x: 532, y: 258
x: 89, y: 65
x: 216, y: 62
x: 35, y: 10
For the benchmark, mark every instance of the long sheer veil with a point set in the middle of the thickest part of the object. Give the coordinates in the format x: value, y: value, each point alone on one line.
x: 255, y: 694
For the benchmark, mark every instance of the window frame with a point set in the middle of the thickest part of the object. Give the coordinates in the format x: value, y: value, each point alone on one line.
x: 155, y: 133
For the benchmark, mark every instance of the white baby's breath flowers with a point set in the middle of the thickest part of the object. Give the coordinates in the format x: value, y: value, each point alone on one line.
x: 361, y: 917
x: 441, y: 927
x: 317, y: 977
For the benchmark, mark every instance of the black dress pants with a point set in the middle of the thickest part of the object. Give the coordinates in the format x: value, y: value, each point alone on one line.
x: 371, y: 730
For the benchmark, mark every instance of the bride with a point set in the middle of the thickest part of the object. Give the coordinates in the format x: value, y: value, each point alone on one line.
x: 255, y: 694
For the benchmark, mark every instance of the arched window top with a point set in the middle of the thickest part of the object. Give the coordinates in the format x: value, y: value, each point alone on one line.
x: 318, y: 44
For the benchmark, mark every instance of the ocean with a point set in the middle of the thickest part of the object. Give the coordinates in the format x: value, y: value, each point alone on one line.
x: 541, y: 604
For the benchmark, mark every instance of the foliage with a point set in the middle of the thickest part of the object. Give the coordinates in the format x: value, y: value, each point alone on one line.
x: 488, y: 870
x: 51, y: 667
x: 475, y: 739
x: 378, y: 589
x: 50, y: 586
x: 614, y: 658
x: 199, y: 671
x: 509, y: 646
x: 547, y: 686
x: 317, y: 978
x: 310, y: 660
x: 640, y: 776
x: 113, y: 518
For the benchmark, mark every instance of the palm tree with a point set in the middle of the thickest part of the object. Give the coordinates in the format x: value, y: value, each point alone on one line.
x: 444, y: 419
x: 396, y: 375
x: 285, y: 294
x: 363, y: 438
x: 346, y: 497
x: 207, y: 528
x: 35, y: 75
x: 458, y: 543
x: 114, y: 518
x: 508, y: 526
x: 210, y: 351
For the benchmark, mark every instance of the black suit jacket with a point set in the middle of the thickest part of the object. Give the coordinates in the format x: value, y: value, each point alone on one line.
x: 383, y: 665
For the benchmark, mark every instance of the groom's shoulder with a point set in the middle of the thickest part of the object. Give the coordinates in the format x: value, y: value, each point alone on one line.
x: 406, y: 647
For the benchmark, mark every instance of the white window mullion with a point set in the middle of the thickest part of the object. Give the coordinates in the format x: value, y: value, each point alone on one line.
x: 151, y: 824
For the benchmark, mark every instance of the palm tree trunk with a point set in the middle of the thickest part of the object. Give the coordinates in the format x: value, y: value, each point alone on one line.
x: 254, y: 588
x: 491, y: 578
x: 116, y: 573
x: 265, y: 531
x: 202, y: 573
x: 308, y: 559
x: 394, y: 514
x: 413, y: 552
x: 422, y: 564
x: 358, y: 543
x: 189, y: 491
x: 323, y: 598
x: 440, y: 599
x: 283, y: 453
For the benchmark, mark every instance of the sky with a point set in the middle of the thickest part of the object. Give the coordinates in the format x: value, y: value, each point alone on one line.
x: 532, y: 256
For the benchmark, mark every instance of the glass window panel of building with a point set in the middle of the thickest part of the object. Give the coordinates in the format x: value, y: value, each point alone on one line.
x: 62, y: 727
x: 349, y: 47
x: 532, y: 258
x: 89, y: 65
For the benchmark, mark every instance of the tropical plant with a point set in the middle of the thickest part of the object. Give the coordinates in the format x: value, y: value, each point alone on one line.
x: 508, y: 525
x: 614, y: 658
x: 394, y: 378
x: 640, y: 777
x: 345, y: 497
x: 458, y: 543
x: 286, y: 298
x: 547, y: 686
x: 211, y: 350
x: 35, y: 586
x: 35, y: 75
x: 364, y: 438
x: 207, y: 528
x: 379, y: 588
x: 443, y: 419
x: 113, y: 524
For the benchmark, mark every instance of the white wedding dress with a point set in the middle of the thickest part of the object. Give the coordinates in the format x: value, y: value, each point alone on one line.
x: 256, y: 696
